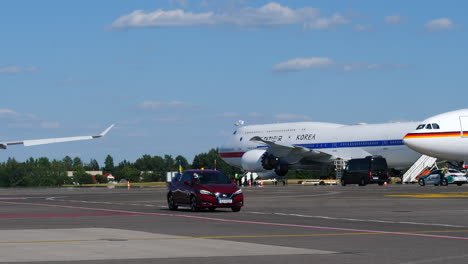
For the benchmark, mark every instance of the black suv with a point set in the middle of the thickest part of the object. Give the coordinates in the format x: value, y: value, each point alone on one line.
x: 371, y: 169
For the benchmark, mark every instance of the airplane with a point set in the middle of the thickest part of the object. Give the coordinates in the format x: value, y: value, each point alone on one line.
x: 34, y: 142
x: 444, y: 136
x: 271, y: 150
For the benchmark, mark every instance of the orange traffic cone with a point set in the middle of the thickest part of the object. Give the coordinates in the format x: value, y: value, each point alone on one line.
x: 128, y: 185
x: 385, y: 183
x: 261, y: 183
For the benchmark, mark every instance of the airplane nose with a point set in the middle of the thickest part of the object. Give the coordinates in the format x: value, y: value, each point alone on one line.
x: 409, y: 141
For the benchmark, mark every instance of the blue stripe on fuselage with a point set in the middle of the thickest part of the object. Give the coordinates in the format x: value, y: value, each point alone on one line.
x: 351, y: 144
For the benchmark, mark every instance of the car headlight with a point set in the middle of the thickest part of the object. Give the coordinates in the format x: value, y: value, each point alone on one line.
x: 206, y: 192
x: 238, y: 192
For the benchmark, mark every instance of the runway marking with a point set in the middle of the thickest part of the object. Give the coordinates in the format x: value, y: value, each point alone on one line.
x: 362, y: 220
x: 298, y: 196
x: 431, y: 195
x: 74, y: 214
x: 244, y: 221
x: 56, y: 199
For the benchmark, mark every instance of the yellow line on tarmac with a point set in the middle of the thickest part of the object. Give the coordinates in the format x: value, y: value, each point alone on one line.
x: 220, y: 237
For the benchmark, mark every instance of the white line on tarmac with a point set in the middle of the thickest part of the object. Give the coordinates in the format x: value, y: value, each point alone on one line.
x: 244, y: 221
x: 282, y: 214
x: 361, y: 220
x: 59, y: 199
x: 293, y: 196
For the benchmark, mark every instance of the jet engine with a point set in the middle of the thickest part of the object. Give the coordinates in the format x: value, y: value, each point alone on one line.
x: 269, y: 161
x: 252, y: 160
x: 259, y: 160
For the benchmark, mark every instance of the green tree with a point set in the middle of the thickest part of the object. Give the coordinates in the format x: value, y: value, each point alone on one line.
x: 183, y: 161
x: 128, y: 173
x: 169, y: 163
x: 109, y: 164
x: 101, y: 179
x: 93, y: 165
x: 153, y: 176
x: 14, y: 173
x: 81, y: 177
x: 158, y: 164
x: 68, y: 163
x: 77, y: 163
x: 207, y: 161
x: 144, y: 163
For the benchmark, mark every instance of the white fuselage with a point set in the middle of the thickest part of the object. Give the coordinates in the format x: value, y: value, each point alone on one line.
x: 340, y: 141
x: 443, y: 136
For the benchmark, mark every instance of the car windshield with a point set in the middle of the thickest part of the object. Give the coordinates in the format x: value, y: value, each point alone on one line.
x: 211, y: 178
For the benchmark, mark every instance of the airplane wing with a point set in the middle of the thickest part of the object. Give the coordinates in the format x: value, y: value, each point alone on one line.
x: 294, y: 153
x: 291, y: 153
x: 34, y: 142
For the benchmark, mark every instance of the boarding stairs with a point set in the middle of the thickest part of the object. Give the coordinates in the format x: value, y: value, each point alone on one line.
x: 419, y: 166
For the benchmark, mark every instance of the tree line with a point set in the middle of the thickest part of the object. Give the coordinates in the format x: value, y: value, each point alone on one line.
x: 43, y: 172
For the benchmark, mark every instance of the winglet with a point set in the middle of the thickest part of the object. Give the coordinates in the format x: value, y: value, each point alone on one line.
x: 104, y: 132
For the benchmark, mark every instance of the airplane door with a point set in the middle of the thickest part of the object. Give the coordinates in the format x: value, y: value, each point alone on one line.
x: 464, y: 126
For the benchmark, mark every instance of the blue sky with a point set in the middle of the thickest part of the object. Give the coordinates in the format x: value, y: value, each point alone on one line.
x: 176, y: 75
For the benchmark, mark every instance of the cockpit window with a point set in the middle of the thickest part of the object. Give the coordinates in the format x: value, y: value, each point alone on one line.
x: 235, y: 132
x: 435, y: 126
x: 428, y: 126
x: 421, y: 126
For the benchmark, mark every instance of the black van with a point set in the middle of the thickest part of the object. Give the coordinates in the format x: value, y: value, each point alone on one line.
x: 371, y: 169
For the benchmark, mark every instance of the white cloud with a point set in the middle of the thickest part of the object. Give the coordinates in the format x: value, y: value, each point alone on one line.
x: 271, y: 14
x: 255, y: 114
x: 372, y: 66
x: 363, y: 28
x: 165, y: 105
x: 440, y: 24
x: 299, y: 64
x: 160, y: 18
x: 394, y: 19
x: 8, y: 113
x: 291, y: 117
x: 16, y: 69
x: 15, y: 120
x: 327, y: 23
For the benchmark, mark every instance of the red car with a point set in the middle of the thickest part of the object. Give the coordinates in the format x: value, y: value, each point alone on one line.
x: 200, y: 189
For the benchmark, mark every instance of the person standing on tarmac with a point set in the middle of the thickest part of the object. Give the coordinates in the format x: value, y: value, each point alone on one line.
x: 236, y: 176
x: 443, y: 171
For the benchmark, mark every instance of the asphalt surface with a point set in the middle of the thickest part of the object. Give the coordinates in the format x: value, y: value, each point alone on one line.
x: 279, y: 224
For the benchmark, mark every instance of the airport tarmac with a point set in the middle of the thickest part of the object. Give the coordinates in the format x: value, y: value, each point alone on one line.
x: 279, y: 224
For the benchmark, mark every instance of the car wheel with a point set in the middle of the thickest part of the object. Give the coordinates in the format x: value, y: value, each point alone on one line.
x: 421, y: 182
x: 171, y: 203
x: 444, y: 182
x: 362, y: 182
x: 459, y: 184
x: 193, y: 204
x: 343, y: 182
x: 236, y: 208
x: 212, y: 209
x: 380, y: 183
